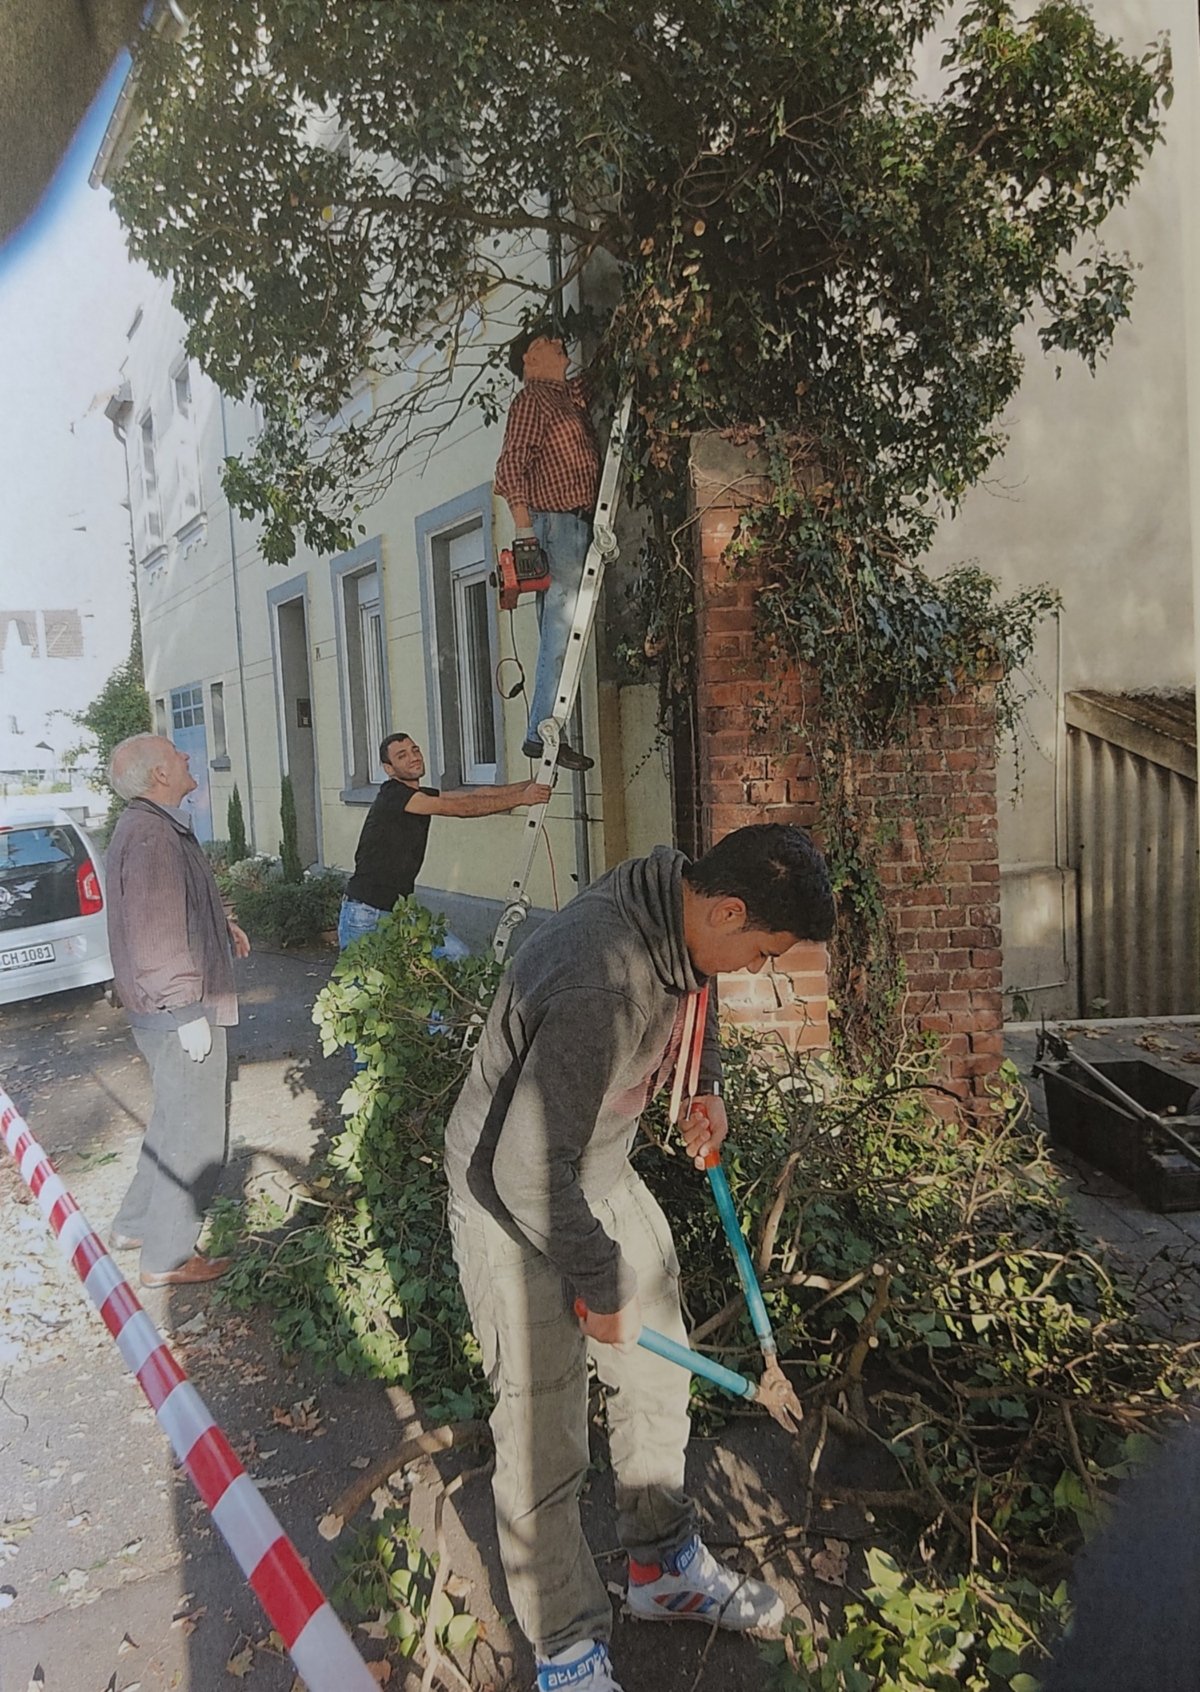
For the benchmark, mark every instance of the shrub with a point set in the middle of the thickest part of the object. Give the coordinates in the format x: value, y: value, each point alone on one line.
x: 365, y: 1280
x: 974, y: 1634
x: 289, y: 850
x: 289, y: 913
x: 923, y: 1278
x: 249, y: 875
x: 218, y: 854
x: 236, y: 824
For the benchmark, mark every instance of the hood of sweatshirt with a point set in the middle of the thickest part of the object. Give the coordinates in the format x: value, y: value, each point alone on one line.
x: 649, y: 894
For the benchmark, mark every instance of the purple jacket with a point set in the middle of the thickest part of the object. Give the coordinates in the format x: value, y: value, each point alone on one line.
x: 167, y: 931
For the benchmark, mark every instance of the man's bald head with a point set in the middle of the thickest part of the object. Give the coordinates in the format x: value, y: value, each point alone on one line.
x: 139, y: 766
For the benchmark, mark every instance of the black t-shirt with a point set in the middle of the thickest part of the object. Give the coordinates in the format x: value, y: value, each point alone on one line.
x: 391, y: 847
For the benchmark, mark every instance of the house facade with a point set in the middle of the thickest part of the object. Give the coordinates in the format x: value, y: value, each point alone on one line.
x: 260, y: 670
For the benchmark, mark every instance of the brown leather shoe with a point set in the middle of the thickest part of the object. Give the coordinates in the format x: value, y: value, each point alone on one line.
x: 122, y: 1242
x: 569, y: 759
x: 194, y: 1272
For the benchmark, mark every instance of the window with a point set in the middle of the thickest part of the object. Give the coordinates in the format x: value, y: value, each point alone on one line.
x: 362, y: 665
x: 216, y: 702
x: 181, y: 494
x: 150, y: 470
x: 181, y: 390
x: 187, y: 707
x: 160, y: 717
x: 461, y: 641
x: 473, y: 652
x: 147, y: 502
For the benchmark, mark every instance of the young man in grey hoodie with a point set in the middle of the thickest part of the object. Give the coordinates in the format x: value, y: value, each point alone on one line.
x: 545, y: 1209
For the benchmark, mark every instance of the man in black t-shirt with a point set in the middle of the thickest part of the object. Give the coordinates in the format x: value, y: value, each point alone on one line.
x: 391, y: 847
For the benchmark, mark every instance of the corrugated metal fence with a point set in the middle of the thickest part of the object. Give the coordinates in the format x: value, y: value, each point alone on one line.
x: 1133, y: 843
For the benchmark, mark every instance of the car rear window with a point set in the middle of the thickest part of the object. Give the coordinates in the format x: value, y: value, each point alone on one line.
x: 23, y: 848
x: 38, y: 865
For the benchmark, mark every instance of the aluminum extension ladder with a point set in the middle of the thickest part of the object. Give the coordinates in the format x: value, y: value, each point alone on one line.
x: 551, y: 729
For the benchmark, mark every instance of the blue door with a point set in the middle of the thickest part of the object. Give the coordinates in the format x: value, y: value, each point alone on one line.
x: 187, y: 733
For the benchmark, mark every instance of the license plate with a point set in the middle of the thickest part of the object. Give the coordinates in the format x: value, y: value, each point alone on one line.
x: 22, y: 955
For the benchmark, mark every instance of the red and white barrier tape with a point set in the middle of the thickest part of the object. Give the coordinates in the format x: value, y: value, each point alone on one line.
x: 296, y: 1608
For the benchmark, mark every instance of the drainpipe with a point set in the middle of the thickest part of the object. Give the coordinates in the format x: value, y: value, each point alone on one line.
x: 1187, y: 111
x: 237, y: 629
x: 583, y: 855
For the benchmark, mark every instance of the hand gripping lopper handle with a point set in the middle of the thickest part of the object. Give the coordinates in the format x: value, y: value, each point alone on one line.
x: 741, y: 1253
x: 687, y: 1083
x: 740, y: 1386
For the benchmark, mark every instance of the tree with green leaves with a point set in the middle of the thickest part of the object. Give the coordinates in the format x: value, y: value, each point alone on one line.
x: 820, y: 224
x: 785, y: 226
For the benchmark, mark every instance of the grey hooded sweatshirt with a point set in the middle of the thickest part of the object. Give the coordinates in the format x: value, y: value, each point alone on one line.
x: 579, y: 1035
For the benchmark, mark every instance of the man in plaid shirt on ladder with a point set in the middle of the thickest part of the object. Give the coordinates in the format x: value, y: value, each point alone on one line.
x: 548, y: 474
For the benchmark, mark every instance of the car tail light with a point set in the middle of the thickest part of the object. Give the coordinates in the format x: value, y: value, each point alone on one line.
x: 87, y: 881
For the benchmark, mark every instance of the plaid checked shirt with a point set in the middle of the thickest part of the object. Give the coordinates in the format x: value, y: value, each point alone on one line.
x: 550, y: 460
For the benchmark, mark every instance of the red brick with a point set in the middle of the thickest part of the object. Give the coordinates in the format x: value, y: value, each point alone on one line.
x: 989, y: 1041
x: 728, y: 619
x: 767, y: 792
x: 974, y: 1066
x: 735, y: 769
x: 985, y: 872
x: 987, y: 958
x: 968, y: 851
x: 727, y: 646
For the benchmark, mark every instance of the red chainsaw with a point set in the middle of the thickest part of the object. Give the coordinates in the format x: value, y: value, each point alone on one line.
x: 524, y: 568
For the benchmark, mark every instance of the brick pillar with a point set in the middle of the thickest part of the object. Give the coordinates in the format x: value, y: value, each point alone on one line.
x: 944, y: 899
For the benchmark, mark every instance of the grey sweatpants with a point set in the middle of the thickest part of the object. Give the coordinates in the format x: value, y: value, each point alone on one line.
x: 183, y: 1152
x: 536, y: 1361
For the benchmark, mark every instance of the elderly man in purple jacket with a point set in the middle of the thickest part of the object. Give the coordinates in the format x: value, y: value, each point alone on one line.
x: 172, y: 947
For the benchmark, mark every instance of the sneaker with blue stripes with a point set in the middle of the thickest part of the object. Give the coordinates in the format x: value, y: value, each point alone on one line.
x: 582, y: 1667
x: 692, y: 1586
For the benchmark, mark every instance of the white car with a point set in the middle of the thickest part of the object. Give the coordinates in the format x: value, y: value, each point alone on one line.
x: 53, y: 933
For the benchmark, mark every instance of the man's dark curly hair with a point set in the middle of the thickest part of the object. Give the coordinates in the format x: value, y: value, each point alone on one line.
x: 779, y: 874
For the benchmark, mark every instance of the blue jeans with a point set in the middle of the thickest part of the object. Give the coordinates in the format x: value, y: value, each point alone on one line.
x: 356, y: 919
x: 565, y: 539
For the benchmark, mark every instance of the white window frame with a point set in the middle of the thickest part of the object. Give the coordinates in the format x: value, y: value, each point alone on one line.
x: 187, y: 706
x: 181, y: 388
x: 147, y: 487
x: 476, y: 715
x: 187, y: 503
x: 364, y: 683
x: 372, y: 645
x: 451, y: 704
x: 216, y: 700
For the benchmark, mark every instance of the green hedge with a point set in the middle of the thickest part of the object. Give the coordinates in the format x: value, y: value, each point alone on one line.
x: 290, y: 913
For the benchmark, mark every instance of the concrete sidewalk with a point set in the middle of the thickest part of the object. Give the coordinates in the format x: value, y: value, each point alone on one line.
x: 113, y: 1574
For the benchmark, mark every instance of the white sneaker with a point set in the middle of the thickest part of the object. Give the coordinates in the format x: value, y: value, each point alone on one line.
x: 583, y: 1667
x: 693, y: 1586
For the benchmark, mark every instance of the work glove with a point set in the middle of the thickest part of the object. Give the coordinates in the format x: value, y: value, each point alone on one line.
x: 525, y: 535
x: 196, y: 1039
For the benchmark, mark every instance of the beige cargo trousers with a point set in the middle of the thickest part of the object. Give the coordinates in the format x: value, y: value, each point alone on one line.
x: 535, y: 1356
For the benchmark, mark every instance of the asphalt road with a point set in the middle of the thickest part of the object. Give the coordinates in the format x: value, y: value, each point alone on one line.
x: 112, y: 1577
